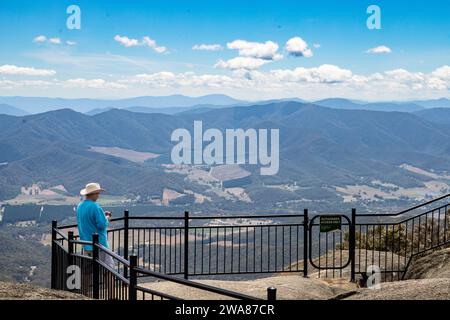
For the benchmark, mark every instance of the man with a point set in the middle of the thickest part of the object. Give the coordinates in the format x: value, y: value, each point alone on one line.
x: 92, y: 219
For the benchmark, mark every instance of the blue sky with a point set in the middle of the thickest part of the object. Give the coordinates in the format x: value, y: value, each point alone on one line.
x: 411, y: 61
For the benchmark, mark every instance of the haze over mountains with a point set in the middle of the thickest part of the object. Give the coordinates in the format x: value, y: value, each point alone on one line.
x: 178, y: 103
x: 324, y: 154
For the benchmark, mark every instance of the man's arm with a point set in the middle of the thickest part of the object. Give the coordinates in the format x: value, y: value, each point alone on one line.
x: 100, y: 218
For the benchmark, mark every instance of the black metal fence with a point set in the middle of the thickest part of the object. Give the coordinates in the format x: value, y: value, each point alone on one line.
x: 88, y: 272
x: 212, y: 245
x: 390, y: 242
x: 167, y: 247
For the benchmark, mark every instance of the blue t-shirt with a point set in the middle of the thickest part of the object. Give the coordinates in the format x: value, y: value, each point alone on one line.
x: 91, y: 219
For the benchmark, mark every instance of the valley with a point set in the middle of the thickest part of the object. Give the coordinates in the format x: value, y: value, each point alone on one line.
x: 331, y: 157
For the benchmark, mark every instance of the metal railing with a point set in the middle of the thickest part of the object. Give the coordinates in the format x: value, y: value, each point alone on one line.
x: 390, y: 241
x: 212, y: 245
x: 101, y: 280
x: 168, y: 248
x: 386, y: 243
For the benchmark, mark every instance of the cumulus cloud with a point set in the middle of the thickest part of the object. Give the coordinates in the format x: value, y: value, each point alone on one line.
x: 126, y: 42
x: 92, y: 84
x: 152, y: 44
x: 298, y: 47
x: 40, y: 39
x: 145, y: 41
x: 207, y: 47
x: 258, y: 50
x: 323, y: 74
x: 54, y: 40
x: 246, y: 63
x: 317, y: 45
x: 167, y: 79
x: 379, y: 50
x: 8, y: 69
x: 247, y: 81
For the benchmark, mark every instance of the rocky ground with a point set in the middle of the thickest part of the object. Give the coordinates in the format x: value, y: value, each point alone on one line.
x: 428, y: 278
x: 421, y: 289
x: 292, y: 287
x: 23, y: 291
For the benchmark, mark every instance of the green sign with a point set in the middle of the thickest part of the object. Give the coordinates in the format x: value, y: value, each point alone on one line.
x: 330, y: 223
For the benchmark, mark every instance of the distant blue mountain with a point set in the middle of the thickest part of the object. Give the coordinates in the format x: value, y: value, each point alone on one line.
x: 42, y: 104
x: 438, y: 115
x: 340, y: 103
x: 11, y: 111
x: 437, y: 103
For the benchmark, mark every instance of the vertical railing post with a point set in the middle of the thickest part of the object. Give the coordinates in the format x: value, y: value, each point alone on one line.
x: 54, y: 257
x: 70, y: 253
x: 305, y: 242
x: 186, y: 244
x: 125, y: 239
x: 271, y: 294
x: 70, y: 247
x: 95, y: 268
x: 352, y: 245
x: 132, y: 291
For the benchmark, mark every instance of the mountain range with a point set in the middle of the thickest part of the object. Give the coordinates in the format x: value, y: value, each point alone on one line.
x: 321, y: 149
x: 43, y: 104
x: 179, y: 103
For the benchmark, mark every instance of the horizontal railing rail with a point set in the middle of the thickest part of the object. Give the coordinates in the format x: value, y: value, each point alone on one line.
x: 422, y: 205
x: 197, y: 285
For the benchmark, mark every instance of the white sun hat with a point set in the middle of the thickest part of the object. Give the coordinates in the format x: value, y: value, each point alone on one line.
x: 91, y: 188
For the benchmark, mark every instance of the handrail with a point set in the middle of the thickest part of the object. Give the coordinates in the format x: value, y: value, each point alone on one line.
x: 402, y: 221
x: 157, y: 293
x: 68, y: 226
x: 402, y: 212
x: 196, y: 285
x: 61, y: 234
x: 112, y: 254
x: 215, y: 217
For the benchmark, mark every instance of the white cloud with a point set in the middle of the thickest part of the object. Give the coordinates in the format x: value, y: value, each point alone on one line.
x: 317, y: 45
x: 246, y: 63
x: 152, y: 44
x: 379, y: 50
x: 40, y: 39
x: 247, y: 82
x: 207, y: 47
x: 54, y: 40
x: 166, y: 79
x: 323, y: 74
x: 298, y: 47
x: 92, y: 84
x: 267, y: 50
x: 127, y: 42
x: 8, y: 69
x: 146, y: 41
